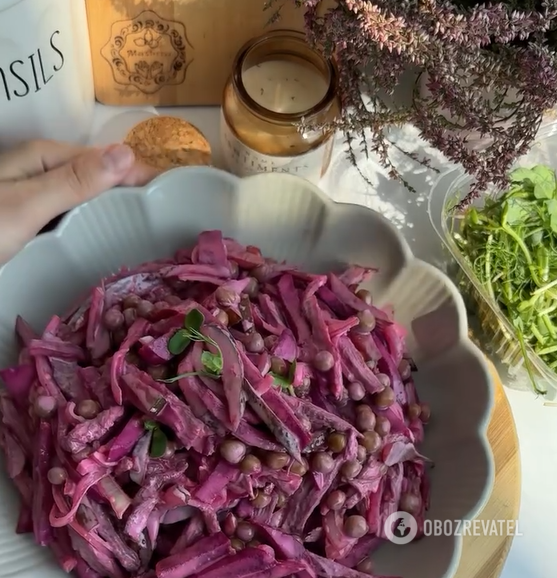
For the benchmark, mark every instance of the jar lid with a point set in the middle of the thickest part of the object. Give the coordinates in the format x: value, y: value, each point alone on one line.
x: 165, y: 142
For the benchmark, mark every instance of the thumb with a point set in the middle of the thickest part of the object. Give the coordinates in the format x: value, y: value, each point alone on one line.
x: 80, y: 179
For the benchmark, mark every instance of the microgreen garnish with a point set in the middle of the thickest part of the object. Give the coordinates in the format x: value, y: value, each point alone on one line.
x: 194, y: 320
x: 189, y: 374
x: 511, y: 245
x: 212, y: 362
x: 285, y: 382
x: 158, y: 444
x: 159, y: 441
x: 539, y: 178
x: 191, y: 332
x: 179, y: 342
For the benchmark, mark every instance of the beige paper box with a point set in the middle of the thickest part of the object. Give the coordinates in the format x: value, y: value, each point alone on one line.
x: 180, y: 52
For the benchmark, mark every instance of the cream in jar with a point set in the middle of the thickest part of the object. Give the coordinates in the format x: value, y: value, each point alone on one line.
x: 278, y: 81
x: 284, y: 86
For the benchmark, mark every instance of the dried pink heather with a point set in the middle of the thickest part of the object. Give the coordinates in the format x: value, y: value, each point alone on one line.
x: 475, y: 55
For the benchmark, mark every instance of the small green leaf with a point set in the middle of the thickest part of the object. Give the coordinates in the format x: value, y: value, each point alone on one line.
x: 472, y: 215
x: 285, y: 383
x: 551, y: 207
x: 518, y: 323
x: 212, y: 362
x: 150, y: 425
x: 280, y: 381
x: 194, y: 320
x: 517, y: 212
x: 544, y: 173
x: 179, y: 342
x: 158, y: 443
x: 541, y: 178
x: 522, y: 174
x: 537, y: 238
x: 544, y: 190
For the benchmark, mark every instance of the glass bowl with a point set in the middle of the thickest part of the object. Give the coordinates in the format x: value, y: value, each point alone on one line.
x: 489, y: 327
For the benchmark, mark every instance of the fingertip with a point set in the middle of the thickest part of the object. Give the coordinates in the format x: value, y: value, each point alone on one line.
x: 118, y: 158
x: 141, y: 174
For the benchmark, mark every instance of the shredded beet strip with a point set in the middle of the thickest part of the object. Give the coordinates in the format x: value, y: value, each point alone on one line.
x: 215, y: 414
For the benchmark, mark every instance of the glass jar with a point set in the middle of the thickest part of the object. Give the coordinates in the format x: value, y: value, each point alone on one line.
x: 277, y: 82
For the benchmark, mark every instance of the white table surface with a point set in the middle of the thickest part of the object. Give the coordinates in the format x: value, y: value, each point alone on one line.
x: 533, y: 553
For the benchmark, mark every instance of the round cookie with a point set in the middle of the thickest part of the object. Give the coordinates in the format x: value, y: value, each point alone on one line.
x: 166, y: 142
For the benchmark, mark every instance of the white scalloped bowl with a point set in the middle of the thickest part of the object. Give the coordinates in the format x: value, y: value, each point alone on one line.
x: 288, y: 218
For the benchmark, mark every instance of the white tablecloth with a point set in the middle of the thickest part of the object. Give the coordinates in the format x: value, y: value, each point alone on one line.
x: 533, y: 552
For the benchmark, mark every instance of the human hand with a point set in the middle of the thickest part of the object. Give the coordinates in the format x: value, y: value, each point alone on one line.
x: 43, y: 179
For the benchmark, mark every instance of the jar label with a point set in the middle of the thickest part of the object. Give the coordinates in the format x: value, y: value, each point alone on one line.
x: 244, y: 161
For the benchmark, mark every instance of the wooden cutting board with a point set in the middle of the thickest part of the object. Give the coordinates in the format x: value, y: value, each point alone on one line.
x: 484, y: 556
x: 174, y: 52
